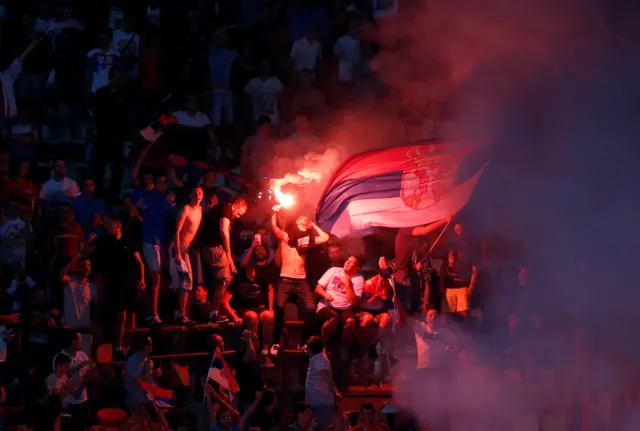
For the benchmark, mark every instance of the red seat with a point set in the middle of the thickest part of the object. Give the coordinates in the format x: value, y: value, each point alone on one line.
x: 112, y: 417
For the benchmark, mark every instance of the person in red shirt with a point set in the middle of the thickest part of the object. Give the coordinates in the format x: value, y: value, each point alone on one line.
x: 369, y: 420
x: 24, y: 189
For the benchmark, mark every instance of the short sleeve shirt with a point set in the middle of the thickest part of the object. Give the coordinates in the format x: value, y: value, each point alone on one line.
x: 332, y: 281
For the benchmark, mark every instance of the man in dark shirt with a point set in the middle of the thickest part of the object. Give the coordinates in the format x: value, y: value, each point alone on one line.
x: 201, y: 308
x: 110, y: 121
x: 458, y: 280
x: 123, y: 273
x: 249, y: 300
x: 214, y: 239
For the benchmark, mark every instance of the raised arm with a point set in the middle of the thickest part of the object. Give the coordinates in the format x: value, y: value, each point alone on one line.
x: 136, y: 168
x: 244, y: 419
x: 321, y: 236
x: 279, y: 233
x: 426, y: 230
x: 352, y: 297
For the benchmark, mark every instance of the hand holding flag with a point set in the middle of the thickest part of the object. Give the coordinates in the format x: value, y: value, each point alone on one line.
x: 155, y: 129
x: 220, y: 372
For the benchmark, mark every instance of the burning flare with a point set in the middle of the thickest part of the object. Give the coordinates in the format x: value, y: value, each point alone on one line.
x: 304, y: 176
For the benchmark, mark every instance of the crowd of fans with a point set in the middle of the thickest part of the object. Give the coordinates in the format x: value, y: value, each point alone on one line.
x: 187, y: 239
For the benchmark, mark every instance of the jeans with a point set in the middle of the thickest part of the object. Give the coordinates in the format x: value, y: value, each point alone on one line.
x: 298, y: 288
x: 323, y: 414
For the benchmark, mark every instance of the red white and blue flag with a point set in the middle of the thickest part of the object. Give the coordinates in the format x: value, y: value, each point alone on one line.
x: 403, y: 186
x: 220, y: 372
x: 161, y: 397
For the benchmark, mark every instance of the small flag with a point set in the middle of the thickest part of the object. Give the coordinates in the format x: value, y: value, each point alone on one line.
x: 161, y: 397
x: 156, y: 128
x: 220, y: 372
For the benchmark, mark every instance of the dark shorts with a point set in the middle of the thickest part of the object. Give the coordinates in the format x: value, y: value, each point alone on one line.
x: 119, y: 297
x: 217, y: 265
x: 327, y: 313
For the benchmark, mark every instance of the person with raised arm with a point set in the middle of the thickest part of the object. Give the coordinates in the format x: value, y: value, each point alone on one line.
x: 8, y: 76
x: 294, y: 242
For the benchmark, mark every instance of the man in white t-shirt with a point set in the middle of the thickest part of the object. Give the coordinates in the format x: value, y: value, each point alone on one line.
x: 306, y: 51
x: 192, y: 119
x: 320, y: 390
x: 100, y: 61
x: 77, y: 398
x: 13, y: 235
x: 348, y: 52
x: 340, y: 290
x: 79, y: 297
x: 127, y: 42
x: 434, y: 340
x: 59, y: 382
x: 263, y: 91
x: 60, y: 188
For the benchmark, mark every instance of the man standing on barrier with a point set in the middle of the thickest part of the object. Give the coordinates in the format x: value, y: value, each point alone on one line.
x: 295, y: 241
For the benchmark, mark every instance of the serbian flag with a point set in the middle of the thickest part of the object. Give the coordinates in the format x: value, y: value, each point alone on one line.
x: 156, y: 128
x: 161, y: 397
x: 220, y: 372
x: 403, y: 186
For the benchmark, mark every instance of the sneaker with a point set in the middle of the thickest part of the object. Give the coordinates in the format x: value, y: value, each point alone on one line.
x: 185, y: 321
x: 275, y: 349
x: 153, y: 321
x: 216, y: 318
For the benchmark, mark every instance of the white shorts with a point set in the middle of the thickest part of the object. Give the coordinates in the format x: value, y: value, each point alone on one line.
x: 153, y: 256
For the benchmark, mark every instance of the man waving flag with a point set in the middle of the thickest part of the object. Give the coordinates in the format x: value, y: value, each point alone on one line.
x: 402, y: 186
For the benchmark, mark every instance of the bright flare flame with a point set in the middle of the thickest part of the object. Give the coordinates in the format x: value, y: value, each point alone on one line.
x: 286, y: 200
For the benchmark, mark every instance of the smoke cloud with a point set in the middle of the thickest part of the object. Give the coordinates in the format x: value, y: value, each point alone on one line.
x: 553, y: 87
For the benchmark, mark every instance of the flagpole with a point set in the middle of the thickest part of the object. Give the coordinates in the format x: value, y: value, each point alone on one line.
x: 444, y: 229
x: 206, y: 383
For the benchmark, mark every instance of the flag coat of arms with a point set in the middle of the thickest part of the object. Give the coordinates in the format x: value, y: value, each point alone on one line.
x: 220, y: 372
x: 403, y: 186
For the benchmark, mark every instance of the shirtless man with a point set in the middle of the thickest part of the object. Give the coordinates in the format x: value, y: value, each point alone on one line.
x: 186, y: 229
x: 295, y: 241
